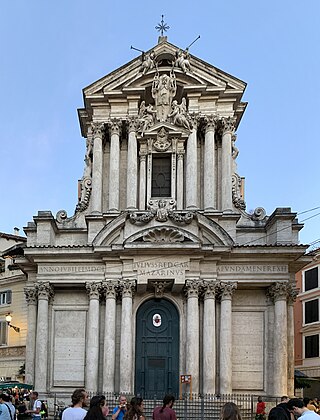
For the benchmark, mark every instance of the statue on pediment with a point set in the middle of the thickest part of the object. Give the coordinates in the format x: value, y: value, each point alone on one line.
x: 148, y: 62
x: 182, y: 61
x: 179, y: 114
x: 146, y: 117
x: 164, y: 88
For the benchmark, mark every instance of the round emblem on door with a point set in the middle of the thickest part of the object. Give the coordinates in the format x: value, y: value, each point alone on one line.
x: 156, y: 320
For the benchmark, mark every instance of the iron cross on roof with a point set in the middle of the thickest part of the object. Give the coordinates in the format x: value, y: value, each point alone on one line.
x: 162, y: 27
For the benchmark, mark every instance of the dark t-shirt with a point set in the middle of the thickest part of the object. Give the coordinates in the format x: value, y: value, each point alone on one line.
x: 166, y: 414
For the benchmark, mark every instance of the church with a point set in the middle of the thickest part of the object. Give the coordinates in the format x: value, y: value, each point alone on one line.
x: 161, y: 272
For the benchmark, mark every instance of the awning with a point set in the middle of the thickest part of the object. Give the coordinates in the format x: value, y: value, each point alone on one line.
x: 13, y: 384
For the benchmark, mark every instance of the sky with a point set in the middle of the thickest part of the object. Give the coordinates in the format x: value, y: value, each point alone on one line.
x: 51, y: 50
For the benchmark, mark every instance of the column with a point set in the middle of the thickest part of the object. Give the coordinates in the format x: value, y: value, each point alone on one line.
x: 45, y: 292
x: 132, y: 174
x: 292, y: 295
x: 209, y: 181
x: 227, y: 290
x: 114, y: 165
x: 180, y: 180
x: 191, y: 168
x: 142, y: 174
x: 192, y: 289
x: 227, y: 125
x: 209, y: 338
x: 92, y: 342
x: 126, y: 366
x: 109, y: 337
x: 97, y: 165
x: 31, y: 297
x: 280, y: 368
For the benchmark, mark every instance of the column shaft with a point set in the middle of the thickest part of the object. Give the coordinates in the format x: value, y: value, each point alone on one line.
x: 191, y: 171
x: 132, y: 169
x: 209, y: 345
x: 97, y: 166
x: 290, y: 350
x: 114, y: 167
x: 109, y: 340
x: 209, y: 166
x: 31, y: 335
x: 180, y: 182
x: 92, y: 350
x: 280, y: 347
x: 142, y: 183
x: 226, y: 185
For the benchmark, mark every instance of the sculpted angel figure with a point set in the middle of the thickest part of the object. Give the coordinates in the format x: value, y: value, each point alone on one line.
x: 146, y: 116
x: 164, y: 89
x: 179, y: 114
x: 182, y: 60
x: 148, y: 62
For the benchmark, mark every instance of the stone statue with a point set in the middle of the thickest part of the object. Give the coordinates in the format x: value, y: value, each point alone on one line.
x: 89, y: 146
x: 148, y: 62
x: 182, y: 61
x: 86, y: 185
x: 163, y: 90
x: 146, y: 117
x: 179, y: 114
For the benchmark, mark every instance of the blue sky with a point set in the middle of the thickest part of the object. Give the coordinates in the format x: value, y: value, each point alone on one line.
x: 51, y: 50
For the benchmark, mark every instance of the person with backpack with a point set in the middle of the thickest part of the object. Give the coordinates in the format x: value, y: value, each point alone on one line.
x: 7, y: 410
x: 36, y: 408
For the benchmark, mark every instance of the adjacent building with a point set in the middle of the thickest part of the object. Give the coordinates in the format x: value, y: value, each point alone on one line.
x: 307, y: 323
x: 12, y: 306
x: 161, y: 272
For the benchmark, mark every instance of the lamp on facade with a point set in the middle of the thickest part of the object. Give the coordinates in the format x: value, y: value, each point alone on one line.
x: 9, y: 319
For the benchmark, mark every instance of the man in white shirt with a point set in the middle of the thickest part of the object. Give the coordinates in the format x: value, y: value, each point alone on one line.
x: 79, y: 400
x: 7, y: 410
x: 36, y: 408
x: 297, y: 407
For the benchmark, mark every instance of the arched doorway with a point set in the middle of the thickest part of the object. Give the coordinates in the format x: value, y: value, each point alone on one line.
x: 157, y: 349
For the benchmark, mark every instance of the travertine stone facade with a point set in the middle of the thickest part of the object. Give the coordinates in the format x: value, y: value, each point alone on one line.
x: 161, y: 271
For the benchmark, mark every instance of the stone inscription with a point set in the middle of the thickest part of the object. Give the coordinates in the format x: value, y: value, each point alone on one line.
x: 161, y: 269
x: 256, y: 268
x: 70, y: 269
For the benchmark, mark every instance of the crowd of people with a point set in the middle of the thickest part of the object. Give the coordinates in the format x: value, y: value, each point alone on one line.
x: 83, y: 408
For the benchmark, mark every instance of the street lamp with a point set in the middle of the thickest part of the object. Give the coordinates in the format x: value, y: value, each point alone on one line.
x: 9, y: 319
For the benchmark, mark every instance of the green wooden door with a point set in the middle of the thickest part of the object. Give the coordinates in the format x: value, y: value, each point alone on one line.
x: 157, y: 349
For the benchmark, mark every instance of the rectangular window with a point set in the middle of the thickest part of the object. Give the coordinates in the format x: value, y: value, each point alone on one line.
x: 311, y: 346
x: 311, y: 311
x: 311, y: 279
x: 161, y: 176
x: 5, y: 297
x: 3, y: 333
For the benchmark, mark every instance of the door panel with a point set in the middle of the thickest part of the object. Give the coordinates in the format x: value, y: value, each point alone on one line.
x: 157, y: 349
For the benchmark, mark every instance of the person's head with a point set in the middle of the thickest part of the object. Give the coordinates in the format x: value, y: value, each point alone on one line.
x: 135, y: 408
x: 284, y: 398
x: 306, y: 401
x: 230, y: 411
x: 34, y: 395
x: 168, y: 400
x: 79, y: 397
x: 97, y: 401
x: 296, y: 406
x: 122, y: 400
x: 277, y: 413
x: 5, y: 397
x: 95, y: 411
x: 259, y: 399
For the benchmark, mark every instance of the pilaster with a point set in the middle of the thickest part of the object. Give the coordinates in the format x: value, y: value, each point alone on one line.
x: 114, y: 166
x: 227, y: 130
x: 97, y: 165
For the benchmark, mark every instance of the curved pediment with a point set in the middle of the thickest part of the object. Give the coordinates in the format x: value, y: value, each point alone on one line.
x: 163, y: 234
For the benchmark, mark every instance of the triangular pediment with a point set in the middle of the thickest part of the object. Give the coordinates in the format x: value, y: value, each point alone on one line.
x: 170, y: 129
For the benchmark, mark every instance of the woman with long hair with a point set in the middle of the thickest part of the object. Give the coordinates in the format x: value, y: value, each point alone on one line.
x: 98, y: 409
x: 135, y: 410
x: 165, y: 412
x: 230, y: 411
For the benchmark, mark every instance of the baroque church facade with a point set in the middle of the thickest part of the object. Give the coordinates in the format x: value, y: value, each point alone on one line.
x: 161, y: 272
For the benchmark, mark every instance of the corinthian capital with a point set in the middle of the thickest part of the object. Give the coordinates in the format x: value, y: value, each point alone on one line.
x: 93, y: 289
x: 292, y: 293
x: 31, y: 295
x: 45, y: 291
x: 195, y: 120
x: 278, y: 291
x: 114, y: 126
x: 210, y: 289
x: 228, y: 125
x: 110, y: 288
x: 97, y: 129
x: 132, y: 124
x: 210, y: 122
x: 127, y: 288
x: 192, y: 288
x: 227, y: 289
